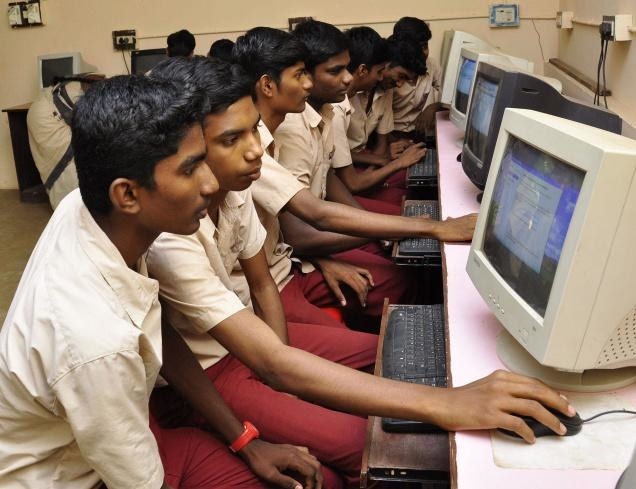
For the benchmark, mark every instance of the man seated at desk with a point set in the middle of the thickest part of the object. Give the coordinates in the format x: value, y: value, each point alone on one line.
x: 48, y: 122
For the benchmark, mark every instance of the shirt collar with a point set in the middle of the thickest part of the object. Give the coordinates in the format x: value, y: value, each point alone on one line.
x: 314, y: 118
x: 135, y: 291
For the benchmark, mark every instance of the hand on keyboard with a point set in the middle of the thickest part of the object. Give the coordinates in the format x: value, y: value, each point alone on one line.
x: 396, y: 148
x: 456, y: 229
x: 411, y: 155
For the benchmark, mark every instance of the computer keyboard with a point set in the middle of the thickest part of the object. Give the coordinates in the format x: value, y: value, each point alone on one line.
x: 426, y: 167
x: 420, y: 246
x: 414, y: 350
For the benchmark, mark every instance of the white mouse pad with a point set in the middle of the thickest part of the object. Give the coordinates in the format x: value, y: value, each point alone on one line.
x: 605, y: 443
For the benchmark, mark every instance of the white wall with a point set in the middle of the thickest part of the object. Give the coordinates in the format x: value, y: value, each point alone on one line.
x: 580, y: 48
x: 86, y: 25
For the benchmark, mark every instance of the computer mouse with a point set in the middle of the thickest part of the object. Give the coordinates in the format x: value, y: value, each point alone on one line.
x: 572, y: 424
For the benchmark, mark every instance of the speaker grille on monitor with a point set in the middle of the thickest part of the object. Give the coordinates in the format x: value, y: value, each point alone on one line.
x: 621, y: 345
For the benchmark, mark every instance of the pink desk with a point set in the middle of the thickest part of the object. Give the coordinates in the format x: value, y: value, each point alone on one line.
x: 472, y: 333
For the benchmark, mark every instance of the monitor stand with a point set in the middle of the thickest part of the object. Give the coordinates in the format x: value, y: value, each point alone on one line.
x: 518, y: 360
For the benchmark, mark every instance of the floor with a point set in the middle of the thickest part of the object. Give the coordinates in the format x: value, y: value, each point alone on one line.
x: 21, y: 225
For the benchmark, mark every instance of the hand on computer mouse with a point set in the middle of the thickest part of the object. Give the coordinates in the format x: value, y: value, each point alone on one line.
x: 501, y: 400
x: 573, y: 425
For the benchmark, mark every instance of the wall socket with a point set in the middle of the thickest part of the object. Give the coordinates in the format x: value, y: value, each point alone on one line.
x: 618, y: 26
x: 564, y: 19
x: 124, y: 40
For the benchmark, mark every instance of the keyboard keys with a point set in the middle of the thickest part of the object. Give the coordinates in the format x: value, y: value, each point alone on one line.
x: 414, y: 351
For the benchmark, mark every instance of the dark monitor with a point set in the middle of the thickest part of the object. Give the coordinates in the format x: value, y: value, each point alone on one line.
x: 144, y: 60
x: 56, y: 68
x: 497, y: 88
x: 464, y: 82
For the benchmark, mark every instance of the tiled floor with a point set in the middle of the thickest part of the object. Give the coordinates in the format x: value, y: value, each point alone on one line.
x: 20, y: 225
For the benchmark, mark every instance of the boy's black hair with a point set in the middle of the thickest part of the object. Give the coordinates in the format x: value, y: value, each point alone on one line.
x: 221, y: 49
x: 415, y: 28
x: 181, y: 43
x: 123, y: 126
x: 267, y: 51
x: 322, y: 40
x: 405, y: 51
x: 366, y: 47
x: 222, y: 83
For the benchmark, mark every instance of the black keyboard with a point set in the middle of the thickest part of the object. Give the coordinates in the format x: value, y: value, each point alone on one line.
x: 426, y: 167
x: 414, y: 351
x: 420, y: 246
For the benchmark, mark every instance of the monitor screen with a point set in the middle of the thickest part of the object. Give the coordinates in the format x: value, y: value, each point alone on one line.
x: 464, y: 82
x: 144, y: 60
x: 484, y: 97
x: 532, y: 204
x: 56, y: 67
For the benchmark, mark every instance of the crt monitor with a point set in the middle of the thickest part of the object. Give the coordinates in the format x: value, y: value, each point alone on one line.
x: 52, y: 66
x: 452, y: 45
x: 469, y: 60
x: 144, y: 60
x: 553, y: 251
x: 498, y: 87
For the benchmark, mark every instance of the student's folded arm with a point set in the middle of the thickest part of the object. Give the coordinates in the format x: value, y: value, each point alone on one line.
x: 309, y: 241
x: 264, y: 293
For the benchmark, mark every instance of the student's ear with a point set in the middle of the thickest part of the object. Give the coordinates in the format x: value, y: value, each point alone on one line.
x: 123, y: 193
x: 362, y: 71
x: 266, y: 86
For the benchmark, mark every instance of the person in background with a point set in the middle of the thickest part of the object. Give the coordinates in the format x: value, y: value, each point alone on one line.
x: 49, y: 127
x: 221, y: 49
x: 415, y: 103
x: 181, y: 43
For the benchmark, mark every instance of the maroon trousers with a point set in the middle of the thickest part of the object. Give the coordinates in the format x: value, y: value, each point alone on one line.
x: 335, y: 438
x: 194, y: 459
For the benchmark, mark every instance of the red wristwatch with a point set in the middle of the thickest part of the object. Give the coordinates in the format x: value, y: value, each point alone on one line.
x: 249, y: 433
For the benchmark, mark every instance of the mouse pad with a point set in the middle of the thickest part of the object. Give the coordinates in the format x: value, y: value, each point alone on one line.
x: 605, y: 443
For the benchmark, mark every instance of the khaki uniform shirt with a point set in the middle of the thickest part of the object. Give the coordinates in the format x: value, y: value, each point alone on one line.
x: 379, y: 118
x: 306, y: 147
x: 49, y: 138
x: 410, y: 100
x: 271, y: 193
x: 343, y: 113
x: 194, y: 273
x: 80, y: 351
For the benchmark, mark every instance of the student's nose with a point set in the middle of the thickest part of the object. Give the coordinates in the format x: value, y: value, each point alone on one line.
x: 209, y: 183
x: 308, y: 83
x: 347, y: 78
x: 254, y: 150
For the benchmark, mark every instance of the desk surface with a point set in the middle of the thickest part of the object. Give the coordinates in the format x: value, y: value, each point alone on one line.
x: 472, y: 333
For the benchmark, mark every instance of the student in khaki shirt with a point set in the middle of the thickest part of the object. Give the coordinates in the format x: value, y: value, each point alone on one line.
x: 194, y: 275
x: 81, y: 347
x: 234, y: 152
x: 275, y: 60
x: 415, y: 103
x: 373, y: 113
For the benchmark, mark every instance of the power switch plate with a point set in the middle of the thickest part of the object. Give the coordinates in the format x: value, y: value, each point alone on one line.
x: 124, y: 40
x: 620, y: 25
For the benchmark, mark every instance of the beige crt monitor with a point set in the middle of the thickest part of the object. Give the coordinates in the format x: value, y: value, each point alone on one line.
x: 452, y: 45
x: 470, y: 58
x: 553, y: 253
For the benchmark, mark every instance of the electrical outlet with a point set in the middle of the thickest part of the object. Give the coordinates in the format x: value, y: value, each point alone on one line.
x: 564, y: 19
x: 124, y: 40
x: 618, y: 26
